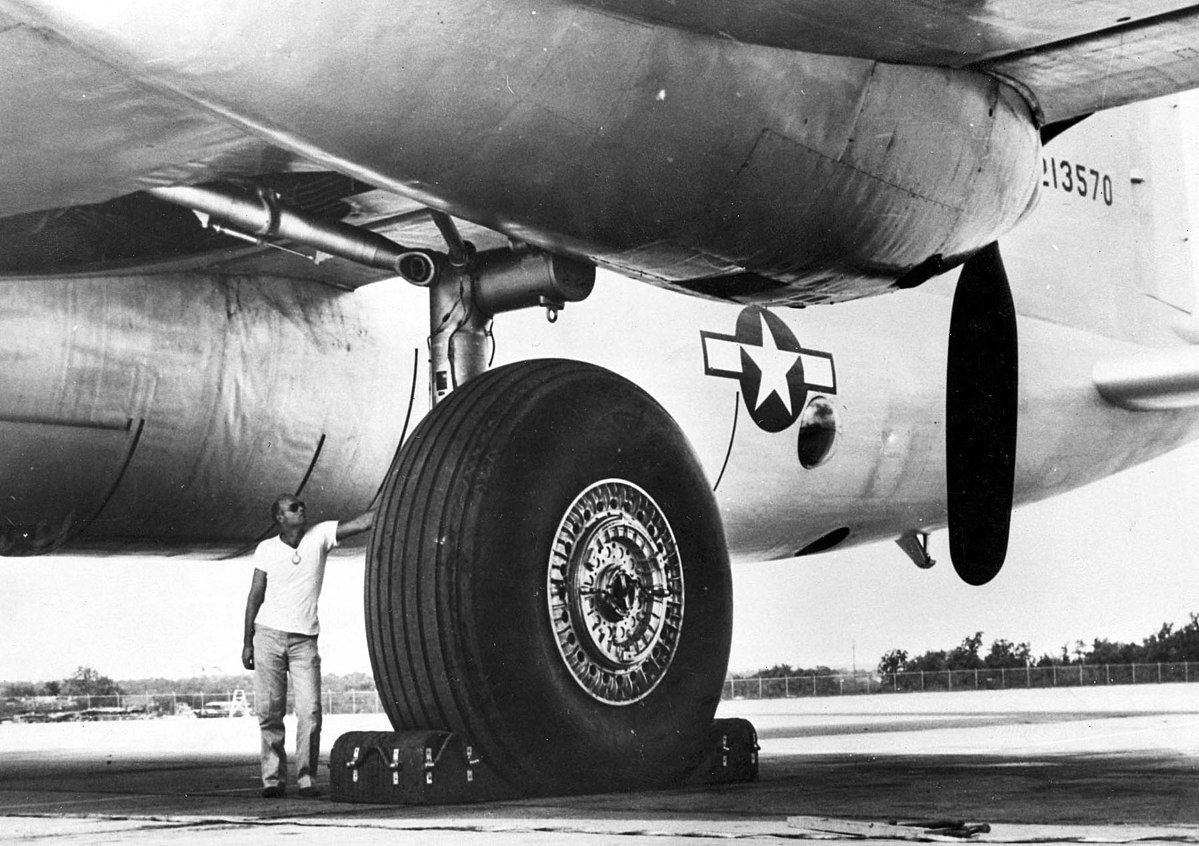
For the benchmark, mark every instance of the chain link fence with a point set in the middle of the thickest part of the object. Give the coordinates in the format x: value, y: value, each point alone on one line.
x: 233, y: 703
x: 236, y: 703
x: 1022, y: 678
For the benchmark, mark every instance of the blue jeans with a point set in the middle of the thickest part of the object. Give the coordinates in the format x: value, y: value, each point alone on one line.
x: 276, y: 654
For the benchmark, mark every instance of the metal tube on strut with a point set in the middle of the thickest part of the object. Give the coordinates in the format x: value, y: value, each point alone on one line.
x: 260, y: 215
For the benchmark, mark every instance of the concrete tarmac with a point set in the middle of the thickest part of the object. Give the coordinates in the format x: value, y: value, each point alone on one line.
x: 1097, y: 765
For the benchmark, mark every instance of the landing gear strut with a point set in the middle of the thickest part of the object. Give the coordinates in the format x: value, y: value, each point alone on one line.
x: 470, y: 289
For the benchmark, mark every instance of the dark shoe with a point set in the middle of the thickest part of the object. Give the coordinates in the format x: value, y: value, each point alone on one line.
x: 309, y: 793
x: 275, y: 791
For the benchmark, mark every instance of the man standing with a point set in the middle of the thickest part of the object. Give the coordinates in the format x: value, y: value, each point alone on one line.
x: 280, y: 637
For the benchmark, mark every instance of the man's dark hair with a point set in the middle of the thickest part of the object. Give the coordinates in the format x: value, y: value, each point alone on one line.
x: 276, y: 509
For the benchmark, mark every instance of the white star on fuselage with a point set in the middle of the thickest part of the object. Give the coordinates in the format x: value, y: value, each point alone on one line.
x: 774, y: 365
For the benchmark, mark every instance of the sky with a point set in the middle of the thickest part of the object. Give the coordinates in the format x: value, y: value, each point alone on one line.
x: 1112, y: 560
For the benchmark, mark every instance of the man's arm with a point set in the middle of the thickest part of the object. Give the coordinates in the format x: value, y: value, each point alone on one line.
x: 253, y: 603
x: 353, y: 527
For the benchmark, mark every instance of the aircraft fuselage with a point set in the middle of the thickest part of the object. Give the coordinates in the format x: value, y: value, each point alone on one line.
x: 165, y: 414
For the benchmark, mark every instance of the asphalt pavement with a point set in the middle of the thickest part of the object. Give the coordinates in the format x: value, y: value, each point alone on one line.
x: 1099, y: 765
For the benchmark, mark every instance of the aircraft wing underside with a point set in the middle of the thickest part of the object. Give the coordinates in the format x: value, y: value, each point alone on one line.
x: 65, y: 138
x: 100, y: 103
x: 1071, y: 58
x: 65, y: 142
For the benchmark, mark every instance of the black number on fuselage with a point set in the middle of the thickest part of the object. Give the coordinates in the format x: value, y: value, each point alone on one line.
x: 1074, y: 179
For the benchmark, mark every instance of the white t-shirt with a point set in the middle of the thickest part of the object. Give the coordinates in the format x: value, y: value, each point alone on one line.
x: 294, y: 578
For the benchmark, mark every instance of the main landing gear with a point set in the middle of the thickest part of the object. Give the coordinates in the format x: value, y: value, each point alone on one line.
x: 548, y: 578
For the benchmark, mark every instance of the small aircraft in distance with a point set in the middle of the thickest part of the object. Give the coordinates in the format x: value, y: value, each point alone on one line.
x: 236, y: 706
x: 232, y: 236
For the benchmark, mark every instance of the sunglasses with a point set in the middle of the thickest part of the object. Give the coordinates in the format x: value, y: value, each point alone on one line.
x: 294, y: 507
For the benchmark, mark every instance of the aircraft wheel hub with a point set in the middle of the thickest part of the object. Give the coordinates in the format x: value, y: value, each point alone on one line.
x: 615, y: 592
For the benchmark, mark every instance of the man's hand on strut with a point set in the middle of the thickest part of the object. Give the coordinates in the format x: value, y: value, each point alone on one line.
x: 247, y: 657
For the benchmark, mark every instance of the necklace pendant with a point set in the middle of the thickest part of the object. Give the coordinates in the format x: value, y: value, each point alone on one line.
x: 295, y: 558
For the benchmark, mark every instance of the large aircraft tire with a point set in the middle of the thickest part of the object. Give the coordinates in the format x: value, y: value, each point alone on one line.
x: 548, y: 577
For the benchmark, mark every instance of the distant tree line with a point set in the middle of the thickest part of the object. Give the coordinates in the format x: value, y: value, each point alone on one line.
x: 87, y: 681
x: 216, y: 684
x: 1168, y: 645
x: 782, y: 671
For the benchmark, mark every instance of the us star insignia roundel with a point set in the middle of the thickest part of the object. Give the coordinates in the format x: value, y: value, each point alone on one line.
x: 775, y: 372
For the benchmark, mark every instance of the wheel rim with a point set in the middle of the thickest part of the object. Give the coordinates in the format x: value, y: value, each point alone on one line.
x: 615, y: 591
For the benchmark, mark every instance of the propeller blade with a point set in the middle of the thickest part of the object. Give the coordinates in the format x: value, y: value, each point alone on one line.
x: 980, y: 413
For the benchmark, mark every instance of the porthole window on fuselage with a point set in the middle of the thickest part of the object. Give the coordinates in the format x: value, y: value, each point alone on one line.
x: 817, y: 432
